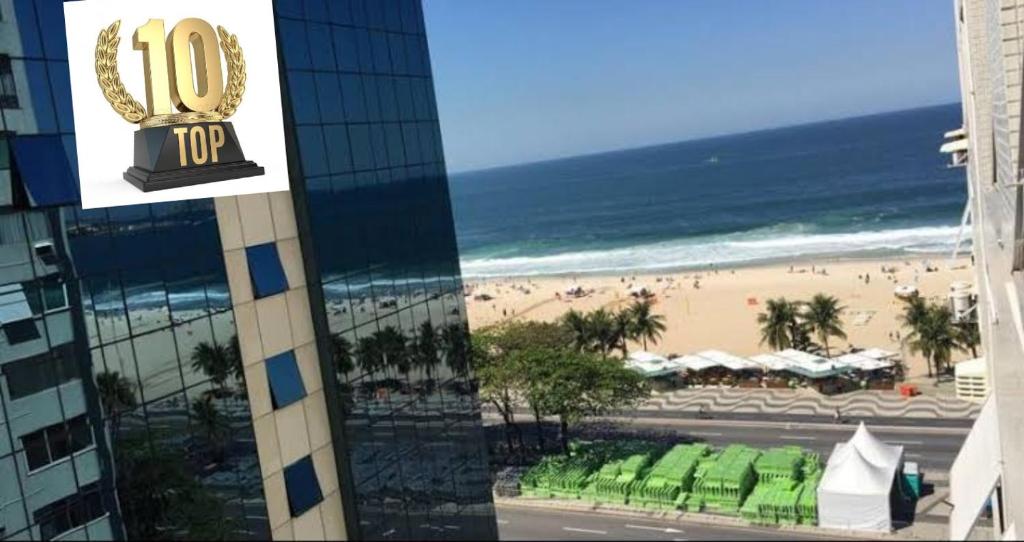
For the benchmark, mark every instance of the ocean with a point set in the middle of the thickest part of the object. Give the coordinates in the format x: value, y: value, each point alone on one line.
x: 860, y: 187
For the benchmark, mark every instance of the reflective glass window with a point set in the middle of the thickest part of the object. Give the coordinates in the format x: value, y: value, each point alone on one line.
x: 44, y: 170
x: 265, y: 270
x: 302, y: 486
x: 8, y: 89
x: 285, y: 380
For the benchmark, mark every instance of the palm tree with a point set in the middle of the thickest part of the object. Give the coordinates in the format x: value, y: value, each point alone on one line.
x: 212, y: 424
x: 601, y: 324
x: 934, y: 337
x: 455, y: 345
x: 215, y: 361
x: 369, y: 356
x: 914, y: 313
x: 778, y: 323
x: 624, y: 330
x: 393, y: 346
x: 823, y: 316
x: 578, y: 328
x: 341, y: 355
x: 237, y: 368
x: 117, y: 396
x: 968, y: 337
x: 425, y: 349
x: 646, y: 325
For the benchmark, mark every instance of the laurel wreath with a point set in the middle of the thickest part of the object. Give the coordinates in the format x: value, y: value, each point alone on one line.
x: 109, y: 78
x: 129, y: 108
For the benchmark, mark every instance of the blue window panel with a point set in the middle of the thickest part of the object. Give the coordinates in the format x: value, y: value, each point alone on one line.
x: 285, y: 380
x: 374, y: 14
x: 408, y: 17
x: 381, y: 55
x: 311, y: 147
x: 302, y: 486
x: 388, y: 101
x: 44, y: 170
x: 71, y: 151
x: 393, y: 16
x: 428, y: 147
x: 337, y: 148
x: 42, y: 102
x: 365, y: 50
x: 403, y: 93
x: 265, y: 270
x: 396, y: 151
x: 413, y: 56
x: 372, y: 98
x: 293, y: 42
x: 320, y: 48
x: 25, y: 15
x: 396, y: 43
x: 352, y: 94
x: 410, y: 134
x: 346, y: 51
x: 329, y: 97
x: 316, y: 10
x: 51, y: 20
x: 358, y: 12
x: 300, y: 85
x: 340, y: 12
x: 290, y: 8
x: 362, y: 151
x: 60, y: 82
x: 420, y: 98
x: 380, y: 144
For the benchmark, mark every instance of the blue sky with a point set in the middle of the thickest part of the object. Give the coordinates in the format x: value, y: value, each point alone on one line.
x: 526, y: 80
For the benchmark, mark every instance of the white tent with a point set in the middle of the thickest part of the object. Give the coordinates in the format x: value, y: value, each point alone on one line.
x: 652, y: 365
x: 729, y: 361
x: 855, y: 488
x: 864, y: 363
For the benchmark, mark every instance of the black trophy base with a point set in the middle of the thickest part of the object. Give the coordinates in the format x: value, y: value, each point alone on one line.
x: 149, y: 181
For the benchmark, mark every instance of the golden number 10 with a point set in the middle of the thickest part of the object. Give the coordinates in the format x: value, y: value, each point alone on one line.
x: 168, y: 66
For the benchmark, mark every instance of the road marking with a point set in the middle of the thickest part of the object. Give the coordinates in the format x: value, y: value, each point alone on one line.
x: 502, y: 522
x: 786, y: 437
x: 665, y: 530
x: 704, y: 434
x: 906, y: 442
x: 588, y: 531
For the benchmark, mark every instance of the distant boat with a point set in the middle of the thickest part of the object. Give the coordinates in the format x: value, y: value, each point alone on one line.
x: 712, y: 160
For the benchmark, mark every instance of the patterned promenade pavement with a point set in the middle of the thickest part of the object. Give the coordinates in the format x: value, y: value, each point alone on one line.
x: 809, y: 402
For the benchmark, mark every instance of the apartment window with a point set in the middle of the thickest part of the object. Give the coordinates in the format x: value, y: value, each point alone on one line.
x: 302, y: 486
x: 56, y: 442
x: 265, y: 270
x: 8, y: 91
x: 69, y: 513
x: 38, y: 373
x: 285, y: 381
x: 49, y: 294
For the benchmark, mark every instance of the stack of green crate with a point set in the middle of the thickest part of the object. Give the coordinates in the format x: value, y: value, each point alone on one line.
x: 785, y: 463
x: 560, y: 476
x: 727, y: 482
x: 807, y: 505
x: 613, y: 482
x: 672, y: 475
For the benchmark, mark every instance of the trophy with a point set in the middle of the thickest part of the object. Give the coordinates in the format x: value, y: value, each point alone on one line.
x: 195, y: 144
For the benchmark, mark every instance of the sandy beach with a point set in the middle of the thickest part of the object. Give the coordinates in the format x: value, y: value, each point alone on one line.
x: 717, y: 309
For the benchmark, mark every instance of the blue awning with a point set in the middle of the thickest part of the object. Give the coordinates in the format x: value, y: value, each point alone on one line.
x: 43, y: 168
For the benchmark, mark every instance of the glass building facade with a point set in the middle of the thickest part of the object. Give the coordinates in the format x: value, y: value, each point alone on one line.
x: 123, y: 408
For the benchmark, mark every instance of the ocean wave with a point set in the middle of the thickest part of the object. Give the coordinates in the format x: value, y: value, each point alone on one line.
x: 734, y: 249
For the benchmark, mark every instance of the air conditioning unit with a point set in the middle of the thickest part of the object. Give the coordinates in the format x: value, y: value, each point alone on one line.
x: 45, y: 251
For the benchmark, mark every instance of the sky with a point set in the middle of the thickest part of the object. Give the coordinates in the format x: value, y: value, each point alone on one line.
x: 529, y: 80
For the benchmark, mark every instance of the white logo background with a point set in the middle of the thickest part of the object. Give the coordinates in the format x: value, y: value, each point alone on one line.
x: 106, y: 142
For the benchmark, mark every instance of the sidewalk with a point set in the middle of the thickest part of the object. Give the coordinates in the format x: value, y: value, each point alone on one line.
x: 809, y: 402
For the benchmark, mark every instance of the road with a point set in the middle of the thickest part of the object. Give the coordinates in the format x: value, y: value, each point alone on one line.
x: 515, y: 523
x: 934, y: 449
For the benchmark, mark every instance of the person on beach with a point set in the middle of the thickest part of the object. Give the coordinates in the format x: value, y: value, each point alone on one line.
x: 837, y: 417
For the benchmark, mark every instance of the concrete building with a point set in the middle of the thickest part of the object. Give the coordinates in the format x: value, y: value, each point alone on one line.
x: 988, y: 471
x: 288, y: 365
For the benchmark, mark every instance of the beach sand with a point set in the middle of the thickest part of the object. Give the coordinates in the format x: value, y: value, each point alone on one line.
x: 722, y: 313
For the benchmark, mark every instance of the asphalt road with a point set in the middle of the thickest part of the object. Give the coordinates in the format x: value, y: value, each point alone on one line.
x: 933, y: 448
x: 515, y: 523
